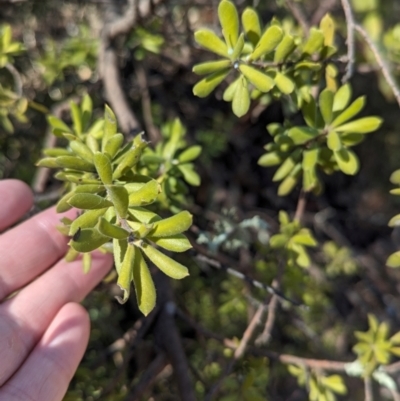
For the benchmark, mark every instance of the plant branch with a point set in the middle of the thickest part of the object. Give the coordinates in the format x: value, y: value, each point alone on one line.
x: 368, y: 389
x: 381, y: 62
x: 350, y: 40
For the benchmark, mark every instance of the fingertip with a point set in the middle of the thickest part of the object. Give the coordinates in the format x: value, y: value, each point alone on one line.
x: 16, y: 198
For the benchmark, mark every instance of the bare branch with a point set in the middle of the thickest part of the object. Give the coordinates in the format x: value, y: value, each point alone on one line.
x: 350, y: 40
x: 381, y: 62
x: 368, y: 389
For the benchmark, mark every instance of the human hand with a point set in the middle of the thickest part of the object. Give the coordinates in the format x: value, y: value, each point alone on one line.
x: 43, y: 330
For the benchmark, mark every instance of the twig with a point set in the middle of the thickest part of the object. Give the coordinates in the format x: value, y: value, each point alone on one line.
x: 151, y: 130
x: 298, y: 14
x: 240, y: 350
x: 265, y: 336
x: 382, y: 63
x: 350, y: 39
x: 301, y: 205
x: 368, y: 389
x: 18, y: 85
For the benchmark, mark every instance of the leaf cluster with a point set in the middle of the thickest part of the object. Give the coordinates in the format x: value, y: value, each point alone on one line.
x: 103, y: 180
x: 8, y: 48
x: 394, y: 258
x: 322, y: 144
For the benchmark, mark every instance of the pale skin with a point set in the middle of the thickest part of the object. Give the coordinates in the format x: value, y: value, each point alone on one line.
x: 43, y: 329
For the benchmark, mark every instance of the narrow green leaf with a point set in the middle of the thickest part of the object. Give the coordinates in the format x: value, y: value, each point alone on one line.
x: 287, y: 166
x: 76, y: 117
x: 209, y: 83
x: 62, y: 204
x: 230, y: 91
x: 86, y: 220
x: 284, y: 49
x: 314, y: 42
x: 229, y: 19
x: 88, y: 240
x: 54, y: 152
x: 86, y: 110
x: 210, y: 41
x: 58, y: 126
x: 395, y: 177
x: 211, y: 66
x: 349, y: 112
x: 327, y: 26
x: 237, y: 50
x: 189, y: 174
x: 81, y: 150
x: 310, y: 158
x: 284, y: 84
x: 394, y: 260
x: 172, y: 225
x: 251, y: 25
x: 301, y: 135
x: 175, y: 243
x: 241, y: 98
x: 342, y: 98
x: 190, y: 154
x: 125, y: 275
x: 333, y: 141
x: 290, y: 181
x: 167, y: 265
x: 394, y: 221
x: 92, y: 143
x: 49, y: 162
x: 110, y: 126
x: 143, y: 215
x: 261, y: 81
x: 145, y: 195
x: 111, y: 230
x: 270, y: 159
x: 326, y: 105
x: 120, y: 199
x: 103, y: 167
x: 268, y: 42
x: 361, y: 126
x: 89, y: 201
x: 119, y: 250
x: 113, y: 145
x: 144, y: 285
x: 347, y: 161
x: 75, y: 163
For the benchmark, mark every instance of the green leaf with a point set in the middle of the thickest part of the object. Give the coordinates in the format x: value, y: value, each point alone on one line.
x: 394, y: 221
x: 92, y: 143
x: 304, y: 237
x: 349, y: 139
x: 111, y: 230
x: 268, y: 42
x: 326, y: 105
x: 347, y: 161
x: 237, y: 51
x: 58, y: 126
x: 334, y: 383
x: 287, y: 185
x: 209, y: 83
x: 284, y: 84
x: 86, y: 220
x: 270, y: 159
x: 49, y: 162
x: 395, y: 177
x: 342, y: 98
x: 76, y: 117
x: 143, y: 215
x: 126, y: 273
x: 350, y: 112
x: 86, y: 110
x: 310, y: 158
x: 395, y: 339
x: 190, y: 154
x: 75, y: 163
x: 54, y: 152
x: 144, y: 285
x: 241, y: 98
x: 119, y: 249
x: 284, y: 49
x: 167, y: 265
x: 278, y: 241
x: 89, y: 201
x: 287, y: 166
x: 145, y: 195
x: 309, y: 110
x: 88, y: 240
x: 120, y: 199
x: 333, y: 141
x: 113, y: 145
x: 175, y: 243
x: 210, y: 41
x: 327, y: 26
x: 103, y: 167
x: 189, y: 174
x: 314, y: 42
x: 301, y: 135
x: 230, y: 91
x: 62, y: 204
x: 251, y: 25
x: 361, y: 126
x: 172, y: 225
x: 211, y: 66
x: 394, y: 260
x: 229, y: 19
x: 261, y: 81
x: 110, y: 126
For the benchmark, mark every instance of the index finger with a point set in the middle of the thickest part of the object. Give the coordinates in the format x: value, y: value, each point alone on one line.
x: 29, y: 249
